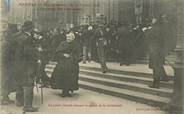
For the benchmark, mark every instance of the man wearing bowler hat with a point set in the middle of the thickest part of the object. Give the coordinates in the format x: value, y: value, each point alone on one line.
x: 25, y: 67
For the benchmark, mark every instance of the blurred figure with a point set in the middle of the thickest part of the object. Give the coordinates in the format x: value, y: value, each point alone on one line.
x: 43, y: 45
x: 101, y: 43
x: 139, y: 44
x: 87, y: 37
x: 57, y: 38
x: 110, y: 46
x: 156, y: 52
x: 94, y: 54
x: 125, y: 45
x: 8, y: 51
x: 25, y: 66
x: 114, y: 42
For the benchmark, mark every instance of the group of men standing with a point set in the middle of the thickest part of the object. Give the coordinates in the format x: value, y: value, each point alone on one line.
x: 123, y: 44
x: 155, y: 38
x: 25, y: 54
x: 20, y: 63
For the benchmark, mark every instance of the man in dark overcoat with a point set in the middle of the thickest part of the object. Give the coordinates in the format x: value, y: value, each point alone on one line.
x: 125, y: 45
x: 25, y: 67
x: 156, y: 52
x: 110, y: 42
x: 7, y: 77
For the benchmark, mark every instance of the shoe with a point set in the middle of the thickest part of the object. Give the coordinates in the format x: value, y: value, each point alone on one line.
x: 127, y: 64
x: 3, y: 102
x: 10, y: 101
x: 6, y: 102
x: 154, y: 86
x: 66, y: 94
x: 30, y: 109
x: 84, y: 62
x: 19, y: 104
x: 165, y: 79
x: 104, y: 71
x: 28, y: 100
x: 69, y: 95
x: 63, y: 94
x: 19, y: 100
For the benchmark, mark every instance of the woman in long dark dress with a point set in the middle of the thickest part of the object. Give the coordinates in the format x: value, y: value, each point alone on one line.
x: 66, y: 73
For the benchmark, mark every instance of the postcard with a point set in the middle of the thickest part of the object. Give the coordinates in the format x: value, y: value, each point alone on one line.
x: 92, y: 56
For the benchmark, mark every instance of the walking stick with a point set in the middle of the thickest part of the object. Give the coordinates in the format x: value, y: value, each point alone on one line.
x: 41, y: 94
x: 41, y: 87
x: 36, y: 87
x: 40, y: 50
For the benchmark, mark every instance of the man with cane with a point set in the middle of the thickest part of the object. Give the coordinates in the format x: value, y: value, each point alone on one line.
x: 25, y: 67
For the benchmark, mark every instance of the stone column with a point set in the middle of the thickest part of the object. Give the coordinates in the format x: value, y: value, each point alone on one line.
x: 176, y: 104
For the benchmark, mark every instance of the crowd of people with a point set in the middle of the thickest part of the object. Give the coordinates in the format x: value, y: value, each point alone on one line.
x: 123, y: 43
x: 26, y: 52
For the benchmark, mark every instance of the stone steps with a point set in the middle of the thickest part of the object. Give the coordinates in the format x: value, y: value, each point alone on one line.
x: 140, y: 97
x: 121, y: 84
x: 163, y: 92
x: 130, y: 73
x: 127, y: 78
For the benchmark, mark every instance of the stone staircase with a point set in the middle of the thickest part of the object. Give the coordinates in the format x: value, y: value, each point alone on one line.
x: 124, y: 84
x: 169, y: 59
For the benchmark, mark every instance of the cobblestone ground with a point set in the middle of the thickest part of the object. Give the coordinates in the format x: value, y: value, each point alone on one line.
x: 82, y: 102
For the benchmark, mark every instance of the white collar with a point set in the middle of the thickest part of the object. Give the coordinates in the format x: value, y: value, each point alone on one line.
x: 29, y: 34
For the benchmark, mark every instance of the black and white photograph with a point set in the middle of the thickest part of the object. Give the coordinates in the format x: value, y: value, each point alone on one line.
x: 92, y: 57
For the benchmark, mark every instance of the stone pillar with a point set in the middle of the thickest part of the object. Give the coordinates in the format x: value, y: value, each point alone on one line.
x: 176, y: 104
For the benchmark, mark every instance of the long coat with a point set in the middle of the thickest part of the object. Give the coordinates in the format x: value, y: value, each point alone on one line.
x: 156, y: 46
x: 8, y: 82
x: 25, y: 60
x: 139, y: 44
x: 125, y: 43
x: 124, y: 39
x: 66, y: 72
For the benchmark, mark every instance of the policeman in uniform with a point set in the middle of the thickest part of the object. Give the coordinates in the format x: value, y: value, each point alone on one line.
x: 25, y: 67
x: 101, y: 43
